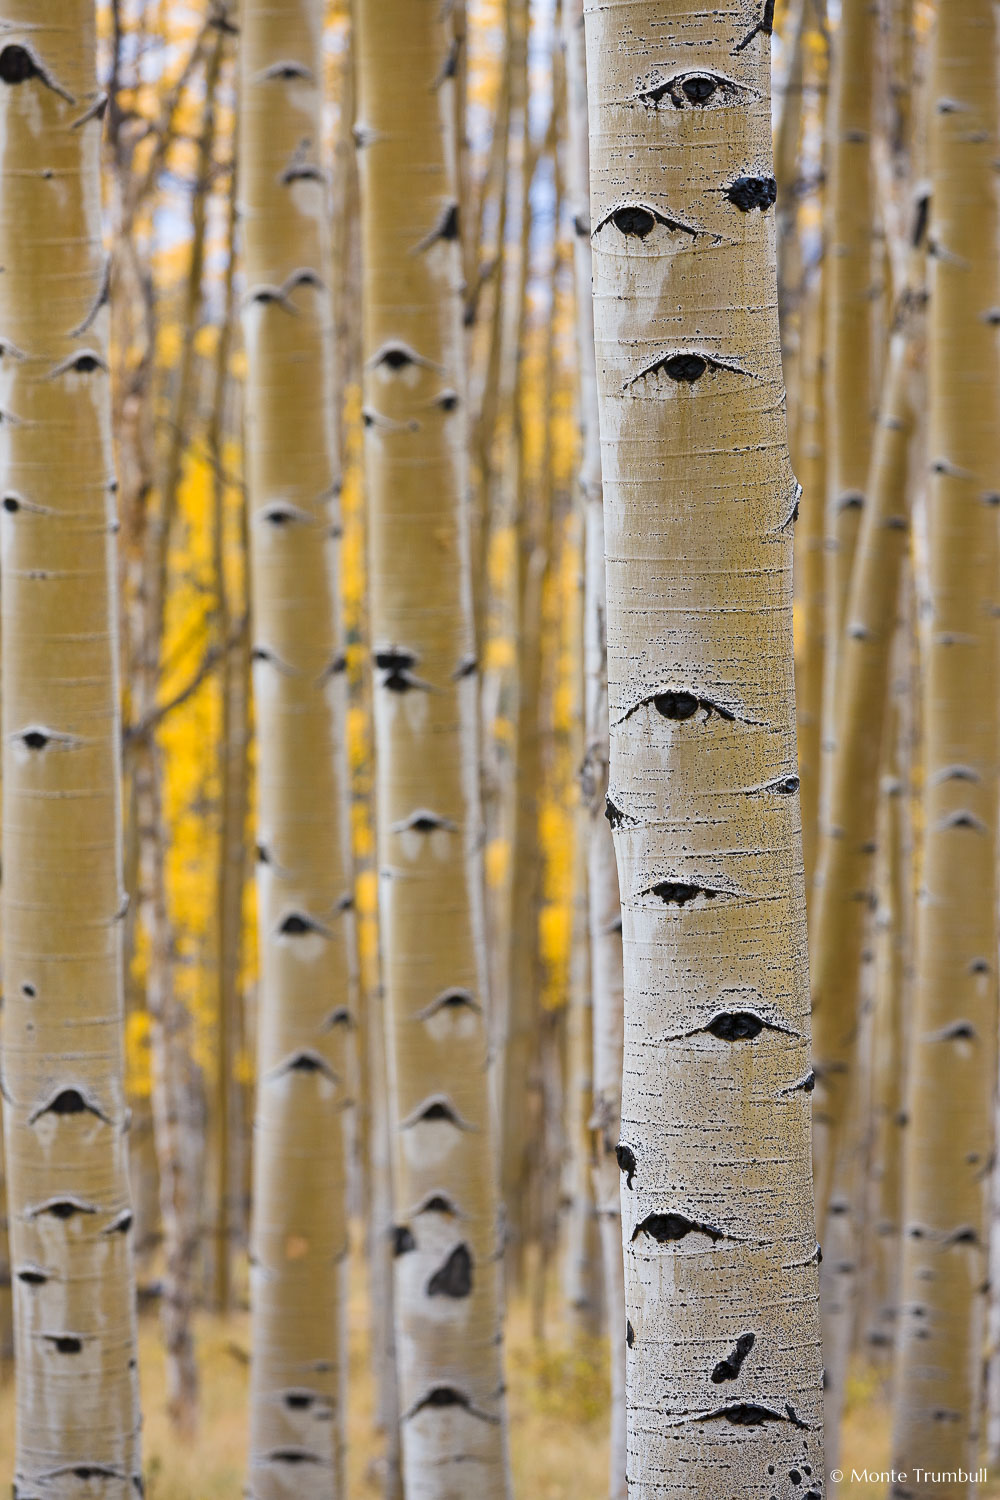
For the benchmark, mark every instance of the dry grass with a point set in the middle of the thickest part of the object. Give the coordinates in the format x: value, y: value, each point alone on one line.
x: 558, y: 1395
x: 558, y: 1403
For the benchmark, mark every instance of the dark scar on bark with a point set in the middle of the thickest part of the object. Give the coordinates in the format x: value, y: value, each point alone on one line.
x: 764, y: 27
x: 626, y: 1162
x: 748, y: 193
x: 729, y: 1369
x: 454, y: 1277
x: 679, y: 892
x: 637, y: 221
x: 667, y: 1228
x: 678, y: 704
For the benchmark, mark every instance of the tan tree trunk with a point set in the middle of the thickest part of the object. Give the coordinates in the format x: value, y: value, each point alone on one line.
x: 950, y: 1138
x: 299, y: 1240
x: 845, y: 875
x: 446, y: 1234
x: 604, y: 907
x: 720, y: 1247
x: 849, y: 274
x: 65, y: 1117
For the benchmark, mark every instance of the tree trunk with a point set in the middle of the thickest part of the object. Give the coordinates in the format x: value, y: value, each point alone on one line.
x: 65, y: 1117
x: 304, y: 876
x: 430, y: 860
x: 950, y: 1137
x: 604, y: 908
x: 720, y: 1247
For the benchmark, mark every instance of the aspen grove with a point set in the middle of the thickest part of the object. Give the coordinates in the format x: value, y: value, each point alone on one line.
x: 499, y: 749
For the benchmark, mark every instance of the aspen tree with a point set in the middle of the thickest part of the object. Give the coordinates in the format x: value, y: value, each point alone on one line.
x: 810, y: 461
x: 848, y: 285
x: 426, y: 706
x: 950, y: 1138
x: 723, y: 1363
x: 604, y: 908
x: 845, y: 879
x: 299, y: 1238
x: 65, y: 1116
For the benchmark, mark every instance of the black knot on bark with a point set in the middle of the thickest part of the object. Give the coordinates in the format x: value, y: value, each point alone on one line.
x: 729, y: 1369
x: 402, y: 1240
x: 396, y: 358
x: 65, y: 1343
x: 699, y: 88
x: 86, y: 364
x: 685, y: 368
x: 753, y: 192
x: 676, y: 705
x: 16, y: 65
x: 625, y: 1157
x: 11, y: 503
x: 454, y: 1277
x: 665, y: 1228
x: 634, y: 221
x: 736, y: 1026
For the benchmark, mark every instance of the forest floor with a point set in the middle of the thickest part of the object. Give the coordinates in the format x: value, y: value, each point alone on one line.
x: 558, y: 1397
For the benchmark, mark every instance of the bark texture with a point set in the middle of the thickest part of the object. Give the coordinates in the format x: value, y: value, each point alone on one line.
x: 950, y: 1136
x: 65, y: 1116
x: 724, y: 1383
x: 303, y: 868
x: 429, y: 835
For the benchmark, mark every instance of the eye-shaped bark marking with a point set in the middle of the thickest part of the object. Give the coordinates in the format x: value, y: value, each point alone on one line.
x: 692, y: 89
x: 454, y: 1277
x: 957, y: 1031
x: 454, y: 1000
x: 65, y: 1208
x: 764, y: 27
x: 729, y: 1369
x: 398, y: 665
x: 335, y: 667
x: 625, y: 1157
x: 680, y: 892
x: 64, y: 1343
x: 679, y: 704
x: 962, y: 819
x: 20, y: 65
x: 447, y: 1395
x: 87, y: 362
x: 301, y: 170
x: 402, y: 1240
x: 285, y: 71
x: 305, y: 1060
x: 292, y: 1456
x: 423, y: 821
x: 449, y: 68
x: 299, y: 1400
x: 735, y: 1026
x: 446, y: 228
x: 967, y: 1235
x: 301, y: 276
x: 121, y: 1224
x: 667, y: 1228
x: 749, y: 1414
x: 33, y: 1276
x: 782, y: 786
x: 447, y: 400
x: 748, y: 193
x: 685, y: 367
x: 438, y: 1203
x: 804, y: 1085
x: 339, y: 1017
x: 629, y: 1334
x: 38, y: 739
x: 299, y: 923
x: 68, y: 1102
x: 467, y: 667
x: 438, y: 1108
x: 638, y: 220
x: 282, y: 514
x: 398, y: 356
